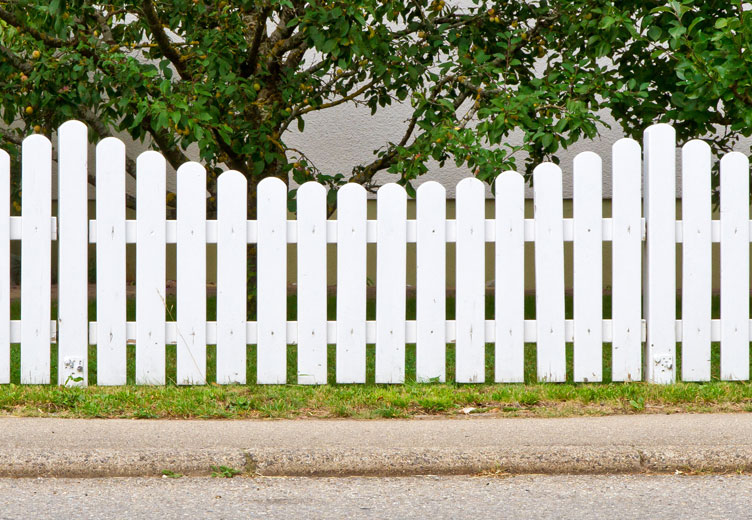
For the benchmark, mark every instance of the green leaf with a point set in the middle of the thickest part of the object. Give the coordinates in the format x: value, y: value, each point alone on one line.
x: 607, y: 22
x: 654, y: 33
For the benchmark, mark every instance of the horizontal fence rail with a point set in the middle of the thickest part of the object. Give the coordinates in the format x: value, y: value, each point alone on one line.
x: 643, y: 231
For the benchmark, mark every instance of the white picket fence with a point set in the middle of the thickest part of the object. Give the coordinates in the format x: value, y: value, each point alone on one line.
x: 644, y: 266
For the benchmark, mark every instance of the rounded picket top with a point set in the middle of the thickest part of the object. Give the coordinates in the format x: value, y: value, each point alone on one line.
x: 352, y: 199
x: 471, y: 190
x: 110, y: 155
x: 431, y: 189
x: 191, y: 181
x: 587, y: 167
x: 661, y: 135
x: 622, y: 149
x: 696, y: 164
x: 352, y: 190
x: 470, y: 185
x: 508, y: 178
x: 191, y: 168
x: 37, y: 142
x: 587, y: 159
x: 271, y: 189
x: 271, y: 185
x: 734, y: 163
x: 232, y: 179
x: 697, y: 146
x: 509, y: 182
x: 311, y: 189
x: 73, y: 126
x: 626, y: 145
x: 391, y: 191
x: 151, y: 159
x: 546, y: 170
x: 109, y: 147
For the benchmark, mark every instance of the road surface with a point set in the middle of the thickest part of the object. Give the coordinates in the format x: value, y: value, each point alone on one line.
x: 523, y: 496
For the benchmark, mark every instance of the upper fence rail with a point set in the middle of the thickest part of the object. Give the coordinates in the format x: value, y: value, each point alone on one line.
x: 642, y: 331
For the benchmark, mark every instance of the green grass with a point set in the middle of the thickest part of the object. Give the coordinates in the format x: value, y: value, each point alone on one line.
x: 369, y: 400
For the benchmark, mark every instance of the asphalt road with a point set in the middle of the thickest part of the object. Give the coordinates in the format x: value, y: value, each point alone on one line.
x: 529, y: 496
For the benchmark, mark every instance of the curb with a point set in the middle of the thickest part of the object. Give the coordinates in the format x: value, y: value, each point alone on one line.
x: 339, y: 462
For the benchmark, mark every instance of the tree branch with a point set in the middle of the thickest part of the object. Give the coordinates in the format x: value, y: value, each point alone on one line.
x: 252, y: 62
x: 15, y: 60
x: 163, y: 41
x: 51, y: 41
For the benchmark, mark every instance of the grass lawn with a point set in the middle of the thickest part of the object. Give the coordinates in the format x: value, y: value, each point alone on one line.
x: 369, y: 400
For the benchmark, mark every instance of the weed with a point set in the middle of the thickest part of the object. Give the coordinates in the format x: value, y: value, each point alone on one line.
x: 637, y: 404
x: 224, y: 472
x: 166, y: 473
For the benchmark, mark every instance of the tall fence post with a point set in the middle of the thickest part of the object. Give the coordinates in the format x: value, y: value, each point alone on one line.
x: 72, y: 278
x: 659, y: 284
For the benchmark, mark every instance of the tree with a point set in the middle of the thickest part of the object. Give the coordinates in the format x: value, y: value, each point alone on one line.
x: 233, y: 77
x: 691, y: 63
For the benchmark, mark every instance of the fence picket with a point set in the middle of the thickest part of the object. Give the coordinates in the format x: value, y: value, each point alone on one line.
x: 311, y: 284
x: 734, y: 267
x: 72, y: 314
x: 549, y: 273
x: 626, y: 277
x: 4, y: 267
x: 391, y: 258
x: 351, y: 284
x: 696, y: 261
x: 471, y: 271
x: 660, y: 253
x: 151, y: 190
x: 430, y: 348
x: 510, y: 278
x: 110, y: 191
x: 36, y: 207
x: 232, y: 263
x: 191, y: 274
x: 588, y: 268
x: 272, y: 281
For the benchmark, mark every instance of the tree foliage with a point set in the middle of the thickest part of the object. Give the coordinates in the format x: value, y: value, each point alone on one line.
x: 233, y: 77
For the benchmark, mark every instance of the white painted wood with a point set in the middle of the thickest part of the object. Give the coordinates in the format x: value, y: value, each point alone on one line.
x: 510, y: 278
x: 549, y: 273
x: 659, y: 290
x: 311, y: 284
x: 4, y: 267
x: 430, y: 353
x: 696, y: 261
x: 232, y: 280
x: 36, y: 194
x: 626, y: 276
x: 151, y: 190
x: 735, y: 267
x: 351, y: 284
x: 191, y: 274
x: 588, y: 268
x: 110, y: 191
x: 272, y: 281
x: 72, y: 314
x: 391, y: 259
x: 471, y: 284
